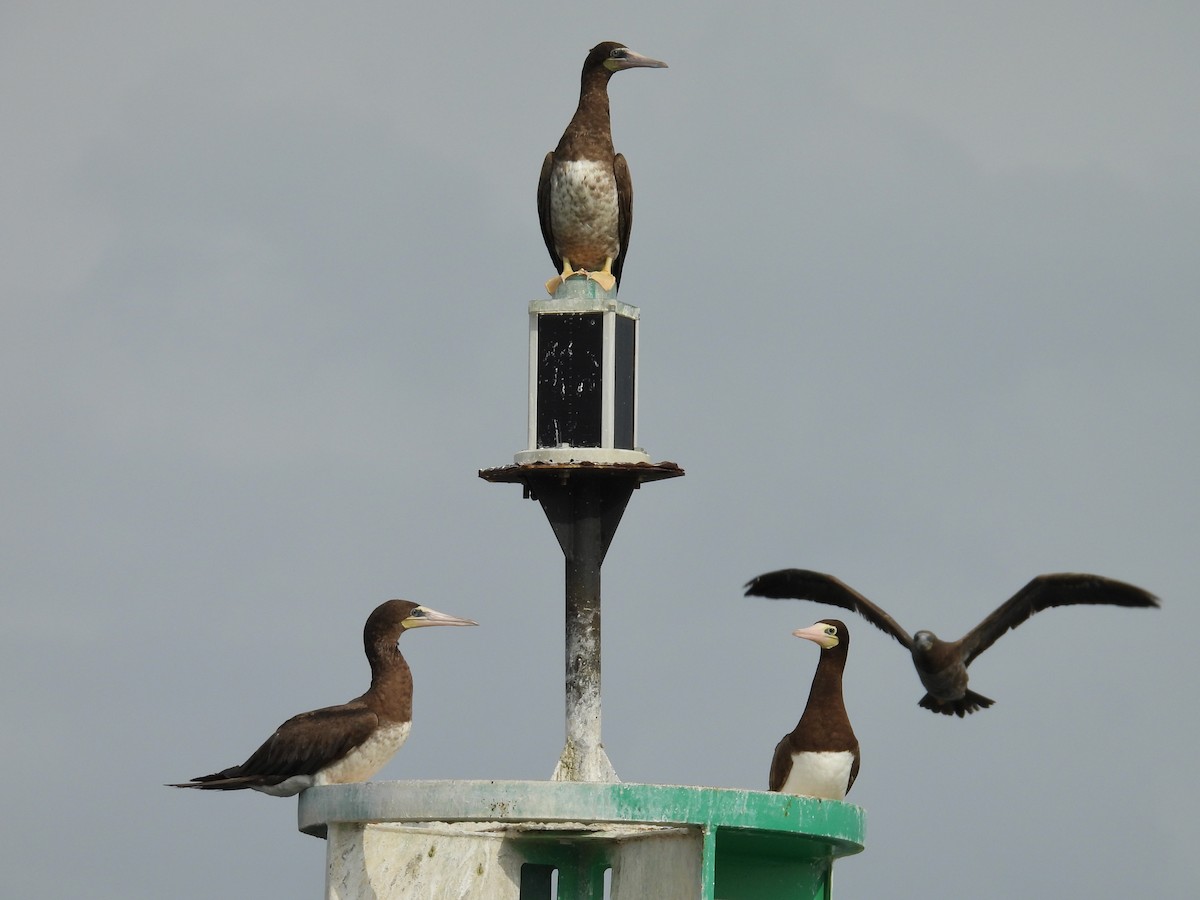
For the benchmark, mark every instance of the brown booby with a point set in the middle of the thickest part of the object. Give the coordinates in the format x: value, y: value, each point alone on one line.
x: 338, y: 744
x: 942, y: 665
x: 820, y: 757
x: 585, y: 195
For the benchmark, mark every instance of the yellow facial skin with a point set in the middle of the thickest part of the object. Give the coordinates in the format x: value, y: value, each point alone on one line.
x: 822, y: 634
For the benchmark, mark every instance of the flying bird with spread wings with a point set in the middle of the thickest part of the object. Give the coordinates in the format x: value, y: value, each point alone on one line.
x: 942, y: 665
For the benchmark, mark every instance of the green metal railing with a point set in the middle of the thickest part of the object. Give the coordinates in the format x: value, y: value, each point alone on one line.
x: 752, y: 845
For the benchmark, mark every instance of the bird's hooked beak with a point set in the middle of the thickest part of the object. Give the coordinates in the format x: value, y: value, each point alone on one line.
x: 632, y: 60
x: 822, y: 633
x: 423, y: 616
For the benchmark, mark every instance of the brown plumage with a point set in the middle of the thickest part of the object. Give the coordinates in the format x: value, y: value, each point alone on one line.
x: 350, y: 742
x: 585, y: 194
x: 820, y: 757
x: 942, y: 665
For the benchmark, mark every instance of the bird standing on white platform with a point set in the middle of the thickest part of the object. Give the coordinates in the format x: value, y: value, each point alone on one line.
x: 350, y: 742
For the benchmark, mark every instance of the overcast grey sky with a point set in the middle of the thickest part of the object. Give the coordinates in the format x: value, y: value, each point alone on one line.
x: 919, y: 293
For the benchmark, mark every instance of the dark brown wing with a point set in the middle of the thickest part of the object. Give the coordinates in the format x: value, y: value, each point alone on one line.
x: 303, y: 745
x: 624, y: 212
x: 803, y: 584
x: 781, y: 765
x: 543, y: 202
x: 854, y: 769
x: 1045, y: 591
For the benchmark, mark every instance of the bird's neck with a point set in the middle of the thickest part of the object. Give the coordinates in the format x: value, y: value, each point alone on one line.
x: 593, y: 91
x: 391, y: 678
x: 827, y: 681
x: 589, y: 136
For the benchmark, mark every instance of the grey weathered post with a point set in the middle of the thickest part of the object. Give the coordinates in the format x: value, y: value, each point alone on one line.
x: 583, y: 465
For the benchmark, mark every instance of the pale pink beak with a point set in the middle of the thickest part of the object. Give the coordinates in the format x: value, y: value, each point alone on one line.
x: 822, y: 634
x: 634, y: 60
x: 814, y: 633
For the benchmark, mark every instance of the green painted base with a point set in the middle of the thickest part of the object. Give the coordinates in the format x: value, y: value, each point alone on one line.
x: 579, y: 287
x: 686, y: 841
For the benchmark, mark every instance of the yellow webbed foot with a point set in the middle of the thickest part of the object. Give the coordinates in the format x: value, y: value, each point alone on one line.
x: 606, y: 280
x: 604, y: 277
x: 567, y: 272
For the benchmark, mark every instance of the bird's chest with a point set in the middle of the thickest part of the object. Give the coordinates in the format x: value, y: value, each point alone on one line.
x: 584, y: 212
x: 367, y: 758
x: 942, y: 672
x: 819, y: 774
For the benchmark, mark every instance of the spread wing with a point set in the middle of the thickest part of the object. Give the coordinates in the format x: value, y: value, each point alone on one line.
x: 803, y: 584
x: 1045, y: 591
x: 624, y: 212
x: 543, y: 203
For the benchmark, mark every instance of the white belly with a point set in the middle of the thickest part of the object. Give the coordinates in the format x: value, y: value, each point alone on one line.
x: 289, y: 788
x: 819, y: 774
x: 358, y: 765
x: 367, y: 758
x: 583, y: 213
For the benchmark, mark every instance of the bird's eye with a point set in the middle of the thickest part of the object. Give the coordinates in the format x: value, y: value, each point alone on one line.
x: 617, y: 53
x: 830, y: 630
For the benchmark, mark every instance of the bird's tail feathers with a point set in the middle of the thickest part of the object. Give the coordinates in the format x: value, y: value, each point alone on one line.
x: 221, y: 781
x: 963, y: 706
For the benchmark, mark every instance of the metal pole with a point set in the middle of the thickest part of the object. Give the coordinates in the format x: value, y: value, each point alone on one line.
x: 583, y: 757
x: 583, y: 504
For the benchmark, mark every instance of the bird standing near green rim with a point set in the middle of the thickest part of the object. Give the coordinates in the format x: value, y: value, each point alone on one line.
x: 820, y: 756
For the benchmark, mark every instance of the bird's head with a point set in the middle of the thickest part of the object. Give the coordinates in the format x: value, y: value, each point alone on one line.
x: 614, y: 57
x: 923, y: 641
x: 393, y: 618
x: 828, y: 633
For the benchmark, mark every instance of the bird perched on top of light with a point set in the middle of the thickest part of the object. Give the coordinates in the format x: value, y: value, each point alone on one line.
x: 585, y: 194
